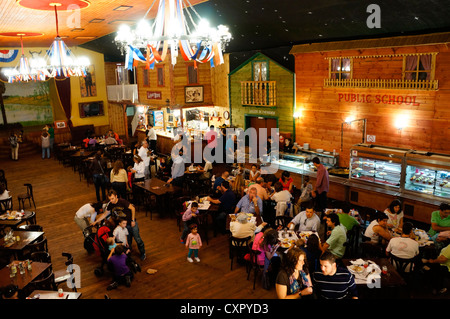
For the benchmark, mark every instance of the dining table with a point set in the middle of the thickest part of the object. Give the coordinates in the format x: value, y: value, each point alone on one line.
x: 161, y: 189
x: 372, y: 281
x: 22, y: 280
x: 21, y: 240
x: 15, y: 218
x: 50, y: 294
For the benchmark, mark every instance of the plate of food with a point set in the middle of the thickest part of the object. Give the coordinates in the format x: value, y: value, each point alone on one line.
x: 356, y: 268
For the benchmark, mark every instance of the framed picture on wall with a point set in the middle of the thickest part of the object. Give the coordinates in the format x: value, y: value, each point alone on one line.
x: 89, y: 109
x: 88, y: 85
x: 193, y: 94
x: 60, y: 124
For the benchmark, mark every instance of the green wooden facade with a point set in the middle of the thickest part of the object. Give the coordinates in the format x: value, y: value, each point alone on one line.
x: 285, y: 94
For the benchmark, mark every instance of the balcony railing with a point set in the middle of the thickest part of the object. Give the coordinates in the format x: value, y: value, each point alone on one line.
x: 381, y: 84
x: 260, y: 93
x: 122, y: 92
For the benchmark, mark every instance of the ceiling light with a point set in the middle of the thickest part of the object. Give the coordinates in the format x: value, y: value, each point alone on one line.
x: 123, y: 8
x: 173, y: 30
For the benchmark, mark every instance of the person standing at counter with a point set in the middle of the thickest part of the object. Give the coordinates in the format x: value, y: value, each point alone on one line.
x: 322, y: 185
x: 151, y: 136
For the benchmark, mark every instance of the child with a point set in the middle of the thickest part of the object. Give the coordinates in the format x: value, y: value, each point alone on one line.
x: 191, y: 212
x: 193, y: 242
x: 130, y: 176
x: 122, y: 273
x: 121, y: 232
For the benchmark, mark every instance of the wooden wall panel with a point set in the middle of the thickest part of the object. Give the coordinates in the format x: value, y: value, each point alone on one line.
x: 428, y: 126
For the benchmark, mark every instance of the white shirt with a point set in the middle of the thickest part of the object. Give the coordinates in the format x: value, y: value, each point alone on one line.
x: 151, y: 134
x: 143, y: 154
x: 121, y: 235
x: 140, y: 169
x: 371, y: 234
x: 403, y: 247
x: 283, y: 196
x: 86, y: 211
x: 5, y: 195
x: 307, y: 224
x: 394, y: 219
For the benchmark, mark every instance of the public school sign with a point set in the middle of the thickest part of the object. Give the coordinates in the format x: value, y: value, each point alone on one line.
x: 377, y: 99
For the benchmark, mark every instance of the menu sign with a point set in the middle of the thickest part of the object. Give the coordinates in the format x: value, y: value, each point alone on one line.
x: 378, y: 98
x: 154, y: 95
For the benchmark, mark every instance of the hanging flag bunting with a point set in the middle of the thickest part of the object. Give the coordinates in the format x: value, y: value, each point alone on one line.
x: 8, y: 55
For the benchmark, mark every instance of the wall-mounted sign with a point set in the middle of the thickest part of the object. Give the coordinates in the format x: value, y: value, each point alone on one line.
x: 371, y: 138
x: 262, y: 112
x: 378, y: 99
x: 154, y: 95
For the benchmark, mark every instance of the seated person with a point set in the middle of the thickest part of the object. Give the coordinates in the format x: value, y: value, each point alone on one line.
x: 293, y: 280
x: 306, y: 220
x: 241, y: 228
x: 333, y: 281
x: 346, y: 219
x: 250, y: 203
x: 206, y: 170
x: 337, y: 236
x: 4, y: 193
x: 110, y: 140
x: 280, y: 194
x: 440, y: 222
x: 440, y: 268
x: 260, y: 189
x: 406, y: 246
x: 378, y: 231
x: 217, y: 182
x: 226, y: 202
x: 395, y: 215
x: 254, y: 173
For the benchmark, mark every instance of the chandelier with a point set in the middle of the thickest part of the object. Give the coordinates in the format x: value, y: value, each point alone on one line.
x: 23, y: 72
x: 173, y: 30
x: 59, y: 60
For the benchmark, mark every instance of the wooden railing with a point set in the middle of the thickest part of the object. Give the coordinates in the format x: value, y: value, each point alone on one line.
x: 261, y: 93
x: 381, y: 84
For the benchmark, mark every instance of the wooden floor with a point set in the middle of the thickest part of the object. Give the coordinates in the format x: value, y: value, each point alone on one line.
x: 58, y: 194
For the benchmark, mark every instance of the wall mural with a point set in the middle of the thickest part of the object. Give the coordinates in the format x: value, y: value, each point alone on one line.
x: 27, y: 103
x: 87, y: 84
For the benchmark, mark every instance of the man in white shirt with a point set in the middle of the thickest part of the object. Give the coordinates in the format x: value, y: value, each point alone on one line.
x: 143, y: 153
x: 306, y: 220
x: 151, y: 135
x: 405, y: 246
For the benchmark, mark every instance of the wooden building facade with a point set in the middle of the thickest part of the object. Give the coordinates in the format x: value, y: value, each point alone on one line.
x: 262, y: 95
x: 401, y: 86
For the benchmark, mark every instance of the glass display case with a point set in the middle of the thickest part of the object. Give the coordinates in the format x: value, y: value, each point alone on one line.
x: 293, y: 163
x: 377, y: 164
x: 428, y: 173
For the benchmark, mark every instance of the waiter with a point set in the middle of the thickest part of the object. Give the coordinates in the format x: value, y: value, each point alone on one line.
x: 322, y: 185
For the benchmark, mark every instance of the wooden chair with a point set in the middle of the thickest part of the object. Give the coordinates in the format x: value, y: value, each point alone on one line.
x: 32, y: 227
x: 238, y: 248
x: 30, y: 220
x: 28, y: 195
x: 405, y: 267
x: 254, y: 266
x: 38, y: 246
x: 6, y: 204
x: 47, y: 283
x: 282, y: 221
x: 41, y: 256
x: 352, y: 241
x: 67, y: 273
x: 180, y: 209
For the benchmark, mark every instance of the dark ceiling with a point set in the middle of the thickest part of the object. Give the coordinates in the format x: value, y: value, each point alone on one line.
x: 273, y: 26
